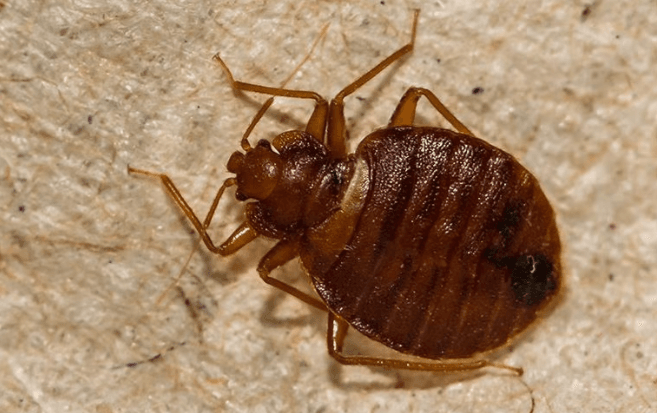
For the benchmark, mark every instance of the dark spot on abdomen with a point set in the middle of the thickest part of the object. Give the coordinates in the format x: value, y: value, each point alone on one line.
x: 532, y: 279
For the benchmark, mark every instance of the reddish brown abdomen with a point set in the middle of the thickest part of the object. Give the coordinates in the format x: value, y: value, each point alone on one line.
x: 454, y: 252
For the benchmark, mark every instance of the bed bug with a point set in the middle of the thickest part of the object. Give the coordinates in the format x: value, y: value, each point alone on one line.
x: 431, y: 241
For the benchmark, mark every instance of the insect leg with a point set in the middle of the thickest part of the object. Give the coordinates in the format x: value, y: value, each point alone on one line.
x: 337, y: 332
x: 337, y: 131
x: 282, y: 252
x: 405, y: 112
x: 316, y: 123
x: 265, y: 106
x: 242, y: 236
x: 239, y: 238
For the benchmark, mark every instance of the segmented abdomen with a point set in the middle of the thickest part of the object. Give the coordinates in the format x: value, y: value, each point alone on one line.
x: 452, y: 252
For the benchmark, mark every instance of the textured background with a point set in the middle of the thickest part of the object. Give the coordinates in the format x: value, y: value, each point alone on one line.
x: 89, y: 255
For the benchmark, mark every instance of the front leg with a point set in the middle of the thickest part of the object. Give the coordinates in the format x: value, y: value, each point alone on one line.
x: 242, y: 236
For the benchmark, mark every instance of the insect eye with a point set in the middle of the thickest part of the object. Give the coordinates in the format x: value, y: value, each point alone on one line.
x: 262, y: 143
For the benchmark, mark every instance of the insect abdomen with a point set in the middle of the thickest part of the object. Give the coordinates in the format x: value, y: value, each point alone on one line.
x: 452, y: 253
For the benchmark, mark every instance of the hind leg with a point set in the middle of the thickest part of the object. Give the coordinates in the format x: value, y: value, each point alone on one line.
x: 337, y: 332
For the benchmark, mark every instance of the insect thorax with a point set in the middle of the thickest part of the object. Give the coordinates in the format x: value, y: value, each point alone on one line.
x: 294, y: 180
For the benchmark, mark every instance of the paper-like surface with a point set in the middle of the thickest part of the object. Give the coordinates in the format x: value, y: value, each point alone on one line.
x: 91, y: 318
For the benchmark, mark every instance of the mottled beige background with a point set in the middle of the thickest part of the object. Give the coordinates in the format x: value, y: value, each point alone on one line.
x: 88, y: 254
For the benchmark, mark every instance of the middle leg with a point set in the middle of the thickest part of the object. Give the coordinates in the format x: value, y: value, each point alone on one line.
x: 283, y: 252
x: 336, y: 135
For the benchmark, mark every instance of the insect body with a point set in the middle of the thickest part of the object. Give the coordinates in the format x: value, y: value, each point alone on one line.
x: 432, y: 242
